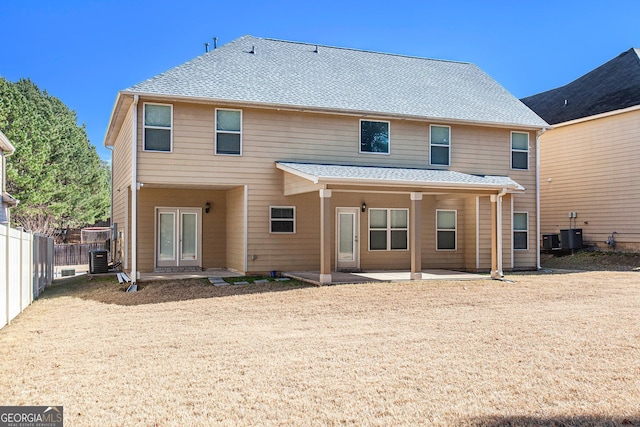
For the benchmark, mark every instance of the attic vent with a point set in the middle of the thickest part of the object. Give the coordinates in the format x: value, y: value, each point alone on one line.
x: 253, y: 50
x: 316, y: 49
x: 566, y: 102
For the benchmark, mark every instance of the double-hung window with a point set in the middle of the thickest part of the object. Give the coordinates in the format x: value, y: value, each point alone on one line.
x: 388, y: 229
x: 519, y: 150
x: 446, y: 230
x: 228, y: 132
x: 440, y: 144
x: 374, y: 137
x: 158, y: 120
x: 520, y: 230
x: 282, y: 219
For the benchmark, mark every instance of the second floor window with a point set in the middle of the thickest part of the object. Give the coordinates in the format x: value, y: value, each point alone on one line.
x: 374, y: 137
x: 519, y: 150
x: 229, y: 132
x: 158, y: 120
x: 440, y: 141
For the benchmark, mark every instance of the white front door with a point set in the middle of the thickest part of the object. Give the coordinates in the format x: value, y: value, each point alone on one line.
x: 178, y: 235
x: 347, y: 241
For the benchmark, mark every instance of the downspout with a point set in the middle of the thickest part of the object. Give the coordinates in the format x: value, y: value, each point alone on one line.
x: 134, y: 192
x: 538, y: 135
x: 499, y: 230
x: 112, y: 244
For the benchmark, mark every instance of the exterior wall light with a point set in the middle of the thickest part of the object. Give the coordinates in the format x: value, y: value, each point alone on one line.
x: 207, y: 207
x: 364, y: 207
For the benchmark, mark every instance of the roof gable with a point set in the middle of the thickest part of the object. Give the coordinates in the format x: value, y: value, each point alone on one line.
x: 299, y: 75
x: 612, y: 86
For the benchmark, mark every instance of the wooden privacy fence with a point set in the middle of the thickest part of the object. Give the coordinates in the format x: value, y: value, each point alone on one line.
x: 26, y: 268
x: 75, y: 253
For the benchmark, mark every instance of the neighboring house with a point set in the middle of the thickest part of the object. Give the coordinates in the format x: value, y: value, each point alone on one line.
x: 6, y: 201
x: 589, y: 160
x: 267, y: 155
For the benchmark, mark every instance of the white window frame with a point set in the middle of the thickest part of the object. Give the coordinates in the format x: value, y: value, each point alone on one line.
x: 271, y: 219
x: 440, y: 145
x: 389, y: 229
x: 144, y: 127
x: 514, y: 231
x: 455, y: 230
x: 388, y: 137
x: 519, y: 150
x: 216, y: 131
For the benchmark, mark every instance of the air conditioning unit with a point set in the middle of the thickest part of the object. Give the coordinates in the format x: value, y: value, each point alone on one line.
x: 98, y: 262
x: 550, y: 242
x: 571, y: 238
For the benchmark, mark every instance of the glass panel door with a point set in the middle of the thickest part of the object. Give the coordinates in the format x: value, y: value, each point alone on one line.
x: 189, y: 229
x: 178, y: 237
x: 166, y: 238
x: 347, y: 245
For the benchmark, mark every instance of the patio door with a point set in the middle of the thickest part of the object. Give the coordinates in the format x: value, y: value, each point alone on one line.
x: 178, y: 237
x: 347, y: 241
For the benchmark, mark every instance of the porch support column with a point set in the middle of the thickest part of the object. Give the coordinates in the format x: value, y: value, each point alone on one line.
x: 496, y: 236
x: 325, y: 236
x: 415, y: 242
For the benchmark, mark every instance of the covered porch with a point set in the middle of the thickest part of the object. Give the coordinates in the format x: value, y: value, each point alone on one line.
x: 443, y: 220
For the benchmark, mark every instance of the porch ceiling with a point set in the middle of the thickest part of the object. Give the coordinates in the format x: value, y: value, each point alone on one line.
x: 319, y: 175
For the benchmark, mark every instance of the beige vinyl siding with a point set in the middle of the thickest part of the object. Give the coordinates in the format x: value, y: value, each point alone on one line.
x: 235, y: 230
x: 213, y: 224
x: 270, y: 135
x: 594, y: 172
x: 121, y: 172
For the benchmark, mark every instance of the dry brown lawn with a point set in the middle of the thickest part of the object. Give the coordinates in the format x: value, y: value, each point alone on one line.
x: 545, y: 350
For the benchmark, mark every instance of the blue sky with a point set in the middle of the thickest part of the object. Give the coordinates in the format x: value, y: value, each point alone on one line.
x: 84, y: 52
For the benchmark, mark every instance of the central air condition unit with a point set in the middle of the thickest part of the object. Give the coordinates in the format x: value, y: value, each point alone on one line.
x: 571, y: 238
x: 550, y: 242
x: 98, y: 262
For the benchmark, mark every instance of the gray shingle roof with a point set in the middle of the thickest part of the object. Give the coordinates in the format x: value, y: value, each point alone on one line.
x: 612, y: 86
x: 319, y: 77
x: 322, y: 173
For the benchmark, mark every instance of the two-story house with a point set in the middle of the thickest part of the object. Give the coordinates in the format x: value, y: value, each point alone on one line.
x: 267, y: 155
x: 589, y: 160
x: 6, y: 201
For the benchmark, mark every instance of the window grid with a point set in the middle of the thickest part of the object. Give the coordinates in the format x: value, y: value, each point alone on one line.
x: 442, y: 230
x: 517, y: 154
x: 389, y: 228
x: 438, y: 144
x: 146, y: 126
x: 225, y: 132
x: 521, y: 233
x: 282, y: 219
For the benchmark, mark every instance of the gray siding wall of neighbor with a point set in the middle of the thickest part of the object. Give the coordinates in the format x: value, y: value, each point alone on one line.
x: 271, y: 135
x: 591, y: 168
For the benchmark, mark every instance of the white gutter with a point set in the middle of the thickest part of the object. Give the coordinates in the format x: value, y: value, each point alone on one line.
x: 596, y: 116
x: 113, y: 244
x: 538, y: 135
x: 134, y: 192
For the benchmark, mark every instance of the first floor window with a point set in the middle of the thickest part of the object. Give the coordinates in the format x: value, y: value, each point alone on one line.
x: 446, y: 223
x: 440, y: 141
x: 519, y: 150
x: 374, y: 137
x: 388, y: 229
x: 228, y: 132
x: 282, y: 219
x: 157, y: 127
x: 520, y: 230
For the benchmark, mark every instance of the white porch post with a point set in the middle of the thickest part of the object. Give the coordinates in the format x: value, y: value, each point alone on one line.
x: 414, y: 240
x: 496, y: 235
x: 325, y: 236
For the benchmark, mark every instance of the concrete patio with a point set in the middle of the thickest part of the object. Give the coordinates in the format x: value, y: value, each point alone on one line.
x: 339, y: 277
